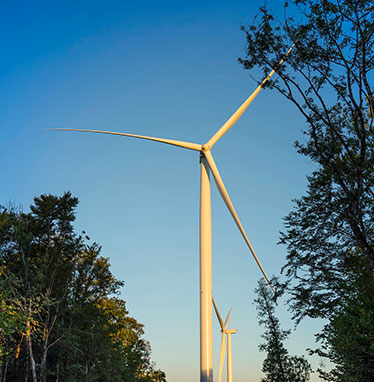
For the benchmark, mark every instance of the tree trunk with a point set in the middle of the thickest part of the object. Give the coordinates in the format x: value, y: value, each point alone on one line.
x: 5, y: 369
x: 58, y: 370
x: 31, y: 354
x: 27, y: 364
x: 43, y: 367
x: 43, y: 364
x: 18, y: 351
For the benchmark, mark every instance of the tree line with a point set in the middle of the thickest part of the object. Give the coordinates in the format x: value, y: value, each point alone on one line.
x: 61, y: 318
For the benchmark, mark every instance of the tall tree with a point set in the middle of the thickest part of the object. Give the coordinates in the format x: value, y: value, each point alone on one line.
x: 330, y: 232
x: 278, y: 365
x: 59, y: 316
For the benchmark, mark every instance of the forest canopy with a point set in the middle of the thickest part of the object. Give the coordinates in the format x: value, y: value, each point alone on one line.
x: 61, y: 317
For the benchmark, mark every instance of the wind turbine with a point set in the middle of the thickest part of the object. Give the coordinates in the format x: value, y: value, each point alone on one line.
x: 207, y: 165
x: 228, y: 333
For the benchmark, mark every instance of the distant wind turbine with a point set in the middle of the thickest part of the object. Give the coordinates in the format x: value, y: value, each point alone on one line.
x: 225, y: 332
x: 207, y: 164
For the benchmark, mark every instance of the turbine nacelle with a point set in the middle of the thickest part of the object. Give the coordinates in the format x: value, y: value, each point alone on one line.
x: 205, y: 147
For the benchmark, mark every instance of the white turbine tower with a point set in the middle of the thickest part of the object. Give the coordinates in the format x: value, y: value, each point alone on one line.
x: 207, y: 164
x: 225, y: 332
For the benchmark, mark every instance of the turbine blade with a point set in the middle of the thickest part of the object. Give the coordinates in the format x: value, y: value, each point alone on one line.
x: 218, y: 315
x: 221, y: 357
x: 228, y: 319
x: 225, y: 196
x: 234, y: 118
x: 186, y: 145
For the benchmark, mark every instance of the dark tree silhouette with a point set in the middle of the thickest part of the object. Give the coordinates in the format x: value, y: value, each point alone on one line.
x: 330, y: 232
x: 278, y: 365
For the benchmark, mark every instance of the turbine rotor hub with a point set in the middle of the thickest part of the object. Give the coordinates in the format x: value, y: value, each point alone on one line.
x: 229, y: 331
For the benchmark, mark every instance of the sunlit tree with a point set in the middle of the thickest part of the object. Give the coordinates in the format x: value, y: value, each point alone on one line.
x: 60, y: 315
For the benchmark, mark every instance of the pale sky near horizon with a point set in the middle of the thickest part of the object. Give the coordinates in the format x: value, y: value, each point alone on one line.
x: 166, y: 69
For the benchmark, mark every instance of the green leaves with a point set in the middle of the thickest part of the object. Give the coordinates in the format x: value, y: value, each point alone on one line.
x: 60, y: 317
x: 12, y: 322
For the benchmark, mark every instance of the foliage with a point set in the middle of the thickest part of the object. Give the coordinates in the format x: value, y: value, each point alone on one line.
x: 11, y: 323
x: 60, y: 316
x: 278, y: 365
x: 348, y: 338
x: 330, y: 232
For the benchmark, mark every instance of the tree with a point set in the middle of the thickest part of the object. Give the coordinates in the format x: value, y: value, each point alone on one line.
x: 12, y: 322
x: 278, y: 365
x: 330, y: 233
x: 347, y: 339
x: 60, y: 317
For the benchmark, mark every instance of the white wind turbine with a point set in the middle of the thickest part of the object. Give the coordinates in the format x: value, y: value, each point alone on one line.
x: 225, y: 332
x: 207, y: 164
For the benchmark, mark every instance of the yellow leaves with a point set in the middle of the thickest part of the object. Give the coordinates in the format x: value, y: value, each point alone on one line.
x: 8, y: 309
x: 121, y: 328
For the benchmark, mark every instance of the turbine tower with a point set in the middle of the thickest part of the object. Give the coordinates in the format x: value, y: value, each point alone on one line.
x: 207, y: 165
x: 228, y: 333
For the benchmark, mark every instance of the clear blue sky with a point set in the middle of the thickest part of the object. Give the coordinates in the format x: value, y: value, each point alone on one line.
x: 166, y: 69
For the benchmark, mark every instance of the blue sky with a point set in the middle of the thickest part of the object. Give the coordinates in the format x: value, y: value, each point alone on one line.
x: 166, y: 69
